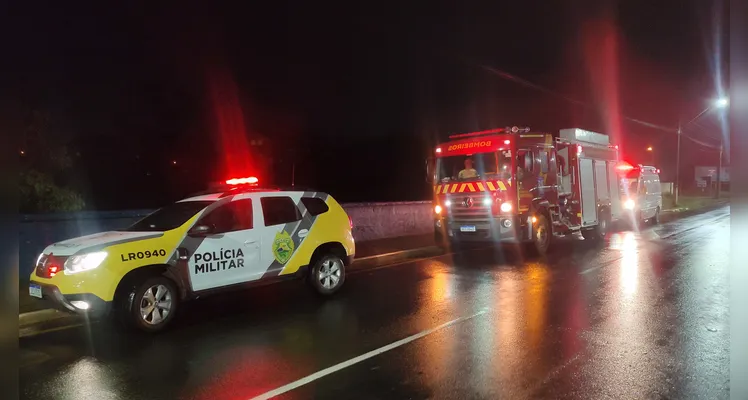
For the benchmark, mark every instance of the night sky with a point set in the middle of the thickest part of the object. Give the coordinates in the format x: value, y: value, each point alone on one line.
x: 356, y: 94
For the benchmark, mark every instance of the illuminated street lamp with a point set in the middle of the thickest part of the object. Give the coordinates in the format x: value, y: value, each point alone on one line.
x: 722, y: 102
x: 652, y: 155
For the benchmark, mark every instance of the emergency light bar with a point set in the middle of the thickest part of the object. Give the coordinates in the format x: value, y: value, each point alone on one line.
x: 624, y: 167
x: 462, y: 135
x: 242, y: 181
x: 513, y: 129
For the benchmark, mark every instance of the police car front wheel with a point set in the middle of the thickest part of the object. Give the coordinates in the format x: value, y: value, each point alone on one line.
x: 154, y: 304
x: 328, y: 274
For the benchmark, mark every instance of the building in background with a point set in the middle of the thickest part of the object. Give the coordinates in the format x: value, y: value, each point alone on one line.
x: 706, y: 177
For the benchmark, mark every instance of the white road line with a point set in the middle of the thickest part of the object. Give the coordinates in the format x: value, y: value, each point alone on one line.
x: 345, y: 364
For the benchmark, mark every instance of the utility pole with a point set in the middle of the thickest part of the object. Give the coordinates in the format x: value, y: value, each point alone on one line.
x: 719, y: 171
x: 677, y: 166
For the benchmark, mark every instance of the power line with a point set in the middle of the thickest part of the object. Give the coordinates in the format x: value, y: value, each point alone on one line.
x: 524, y: 82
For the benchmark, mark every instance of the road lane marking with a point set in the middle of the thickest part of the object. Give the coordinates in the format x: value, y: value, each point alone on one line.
x: 345, y: 364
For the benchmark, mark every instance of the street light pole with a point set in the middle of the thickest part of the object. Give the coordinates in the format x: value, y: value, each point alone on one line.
x: 720, y: 103
x: 677, y: 166
x: 719, y: 171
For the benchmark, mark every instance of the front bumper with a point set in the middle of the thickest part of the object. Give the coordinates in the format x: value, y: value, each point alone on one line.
x: 510, y: 228
x: 74, y: 303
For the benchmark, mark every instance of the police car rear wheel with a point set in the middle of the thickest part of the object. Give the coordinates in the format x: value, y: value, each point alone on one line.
x: 154, y: 304
x: 328, y: 274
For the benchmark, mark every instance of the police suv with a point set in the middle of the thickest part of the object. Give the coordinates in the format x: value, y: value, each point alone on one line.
x: 210, y: 242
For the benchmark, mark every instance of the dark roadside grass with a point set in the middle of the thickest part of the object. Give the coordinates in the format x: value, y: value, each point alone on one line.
x: 693, y: 202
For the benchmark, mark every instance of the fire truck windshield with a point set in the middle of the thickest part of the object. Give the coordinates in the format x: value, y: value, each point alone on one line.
x: 492, y: 165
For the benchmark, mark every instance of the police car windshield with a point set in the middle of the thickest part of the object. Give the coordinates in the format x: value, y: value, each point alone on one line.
x: 493, y: 165
x: 169, y: 217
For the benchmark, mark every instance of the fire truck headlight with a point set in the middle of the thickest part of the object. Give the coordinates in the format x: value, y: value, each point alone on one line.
x: 438, y: 209
x: 506, y: 207
x: 629, y: 204
x: 447, y: 203
x: 487, y: 201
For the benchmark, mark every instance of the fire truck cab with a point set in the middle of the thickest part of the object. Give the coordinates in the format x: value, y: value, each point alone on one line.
x: 515, y: 185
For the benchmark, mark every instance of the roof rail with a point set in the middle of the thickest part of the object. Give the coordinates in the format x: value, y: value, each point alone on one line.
x: 224, y: 192
x: 246, y: 189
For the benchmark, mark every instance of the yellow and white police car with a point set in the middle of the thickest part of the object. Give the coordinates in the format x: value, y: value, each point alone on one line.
x: 237, y: 236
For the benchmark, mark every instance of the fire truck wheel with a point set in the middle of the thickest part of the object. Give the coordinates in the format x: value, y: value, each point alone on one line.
x: 598, y: 233
x: 541, y: 234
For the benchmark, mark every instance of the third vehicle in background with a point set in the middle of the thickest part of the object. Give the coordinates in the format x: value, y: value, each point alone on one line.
x: 642, y: 194
x: 516, y: 185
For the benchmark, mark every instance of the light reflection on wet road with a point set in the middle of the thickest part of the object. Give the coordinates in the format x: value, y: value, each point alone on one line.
x: 645, y: 317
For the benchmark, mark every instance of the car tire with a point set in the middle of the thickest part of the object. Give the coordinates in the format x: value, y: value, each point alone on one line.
x: 328, y: 274
x: 542, y: 235
x: 656, y: 219
x: 598, y: 233
x: 151, y: 305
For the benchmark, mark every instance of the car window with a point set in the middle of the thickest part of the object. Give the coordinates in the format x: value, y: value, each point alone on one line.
x: 315, y: 206
x: 279, y: 210
x: 169, y: 217
x: 230, y: 217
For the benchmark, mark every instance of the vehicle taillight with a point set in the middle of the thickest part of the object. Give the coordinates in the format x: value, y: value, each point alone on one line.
x: 350, y: 222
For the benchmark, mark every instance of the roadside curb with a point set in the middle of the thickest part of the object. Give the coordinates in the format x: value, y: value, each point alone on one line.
x: 35, y: 322
x: 386, y: 258
x: 43, y: 321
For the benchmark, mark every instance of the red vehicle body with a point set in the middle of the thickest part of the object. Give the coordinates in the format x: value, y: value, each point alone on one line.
x: 525, y: 186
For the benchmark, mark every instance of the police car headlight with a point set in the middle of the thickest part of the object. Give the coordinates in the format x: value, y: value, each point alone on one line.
x: 84, y: 262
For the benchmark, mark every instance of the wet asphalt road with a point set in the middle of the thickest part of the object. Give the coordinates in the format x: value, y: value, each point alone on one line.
x: 645, y: 317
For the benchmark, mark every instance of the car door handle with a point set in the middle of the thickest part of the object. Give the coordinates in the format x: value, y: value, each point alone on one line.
x: 251, y: 243
x: 302, y: 233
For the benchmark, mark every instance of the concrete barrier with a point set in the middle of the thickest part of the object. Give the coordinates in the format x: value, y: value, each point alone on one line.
x: 371, y: 221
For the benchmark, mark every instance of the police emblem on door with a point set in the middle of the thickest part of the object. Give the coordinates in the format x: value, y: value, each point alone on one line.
x: 283, y: 247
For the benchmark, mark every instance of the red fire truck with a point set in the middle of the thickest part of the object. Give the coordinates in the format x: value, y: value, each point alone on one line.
x: 517, y: 185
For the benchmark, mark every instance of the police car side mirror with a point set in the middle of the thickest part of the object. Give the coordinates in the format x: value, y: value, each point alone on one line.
x: 201, y: 230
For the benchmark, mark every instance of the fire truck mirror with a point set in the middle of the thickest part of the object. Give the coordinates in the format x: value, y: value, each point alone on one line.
x: 430, y: 170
